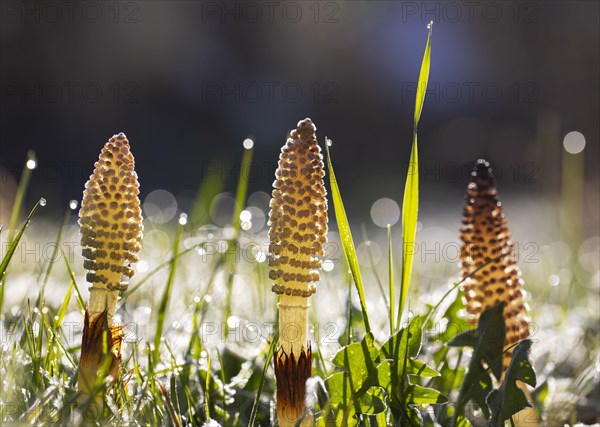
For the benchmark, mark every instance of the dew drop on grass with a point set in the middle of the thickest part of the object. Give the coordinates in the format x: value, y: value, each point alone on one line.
x: 574, y: 142
x: 31, y: 164
x: 248, y: 143
x: 260, y: 256
x: 196, y: 299
x: 208, y: 298
x: 42, y: 202
x: 142, y: 266
x: 233, y: 321
x: 73, y: 204
x: 328, y: 265
x: 183, y: 219
x: 328, y: 141
x: 245, y: 215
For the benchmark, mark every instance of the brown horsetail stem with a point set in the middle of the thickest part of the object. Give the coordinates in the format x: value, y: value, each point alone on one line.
x: 486, y: 239
x: 111, y: 232
x: 298, y: 231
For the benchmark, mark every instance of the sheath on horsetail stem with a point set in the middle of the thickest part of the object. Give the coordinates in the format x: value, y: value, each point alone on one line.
x: 298, y: 231
x: 486, y: 239
x: 111, y: 231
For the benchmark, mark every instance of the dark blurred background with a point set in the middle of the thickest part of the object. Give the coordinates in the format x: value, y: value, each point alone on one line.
x: 188, y: 81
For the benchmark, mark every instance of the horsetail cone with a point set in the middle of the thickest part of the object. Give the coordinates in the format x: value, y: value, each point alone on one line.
x: 486, y: 239
x: 298, y: 231
x: 111, y: 232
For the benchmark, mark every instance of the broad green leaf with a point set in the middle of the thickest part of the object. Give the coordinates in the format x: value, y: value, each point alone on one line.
x: 419, y: 395
x: 402, y: 396
x: 456, y: 323
x: 489, y: 342
x: 405, y: 342
x: 421, y: 369
x: 345, y: 403
x: 346, y: 238
x: 510, y: 398
x: 358, y: 359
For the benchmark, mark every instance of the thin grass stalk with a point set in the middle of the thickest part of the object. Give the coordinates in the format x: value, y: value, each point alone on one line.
x: 30, y: 165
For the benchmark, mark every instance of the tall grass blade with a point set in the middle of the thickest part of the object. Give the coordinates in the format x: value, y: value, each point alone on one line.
x: 240, y: 201
x: 242, y: 189
x: 20, y: 195
x: 80, y: 300
x: 263, y: 378
x: 410, y: 204
x: 212, y: 184
x: 164, y: 302
x: 54, y: 256
x: 346, y: 238
x: 391, y: 278
x: 12, y: 248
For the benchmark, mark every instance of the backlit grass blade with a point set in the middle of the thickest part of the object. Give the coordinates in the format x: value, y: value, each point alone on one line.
x: 164, y: 302
x: 20, y: 195
x: 212, y: 184
x: 423, y: 78
x: 346, y: 238
x: 391, y: 279
x: 12, y: 248
x: 240, y: 201
x: 410, y: 204
x: 80, y: 300
x: 242, y: 189
x: 263, y: 378
x: 63, y: 308
x: 54, y: 256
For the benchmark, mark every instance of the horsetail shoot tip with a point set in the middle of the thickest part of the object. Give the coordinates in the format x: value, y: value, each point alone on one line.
x: 298, y: 231
x: 486, y: 239
x: 111, y: 232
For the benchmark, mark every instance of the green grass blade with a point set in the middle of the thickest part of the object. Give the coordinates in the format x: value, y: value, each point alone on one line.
x: 12, y: 248
x: 240, y: 200
x: 373, y: 267
x: 20, y: 195
x: 164, y: 303
x: 64, y: 306
x: 391, y: 279
x: 54, y: 253
x: 212, y: 184
x: 207, y: 389
x: 242, y: 189
x: 423, y: 78
x: 80, y: 300
x: 410, y: 203
x: 410, y: 212
x: 346, y: 238
x: 263, y: 378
